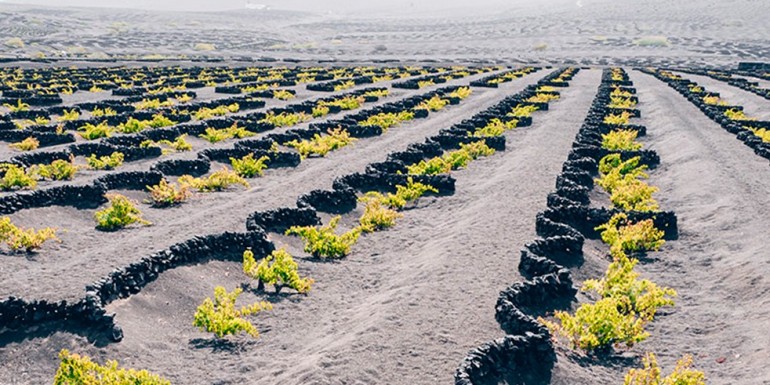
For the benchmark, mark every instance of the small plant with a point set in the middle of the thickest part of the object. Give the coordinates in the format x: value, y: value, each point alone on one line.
x: 542, y: 98
x: 347, y: 103
x: 214, y: 135
x: 386, y: 120
x: 621, y: 119
x: 217, y: 181
x: 738, y: 115
x: 68, y: 116
x: 277, y: 269
x: 523, y: 110
x: 221, y: 317
x: 404, y: 194
x: 91, y: 131
x: 495, y: 127
x: 121, y: 213
x: 621, y: 140
x: 98, y: 112
x: 18, y: 107
x: 110, y: 162
x: 323, y: 242
x: 433, y: 104
x: 683, y: 373
x: 166, y: 194
x: 322, y: 145
x: 132, y: 126
x: 345, y: 85
x: 621, y: 281
x: 319, y: 111
x: 75, y: 369
x: 623, y: 236
x: 16, y: 178
x: 425, y: 83
x: 248, y: 167
x: 634, y: 195
x: 29, y: 144
x: 452, y: 160
x: 282, y: 95
x: 616, y: 171
x: 152, y: 104
x: 285, y: 119
x: 26, y: 239
x: 714, y: 101
x: 379, y: 93
x: 377, y: 216
x: 462, y: 93
x: 599, y: 325
x: 58, y: 170
x: 621, y: 102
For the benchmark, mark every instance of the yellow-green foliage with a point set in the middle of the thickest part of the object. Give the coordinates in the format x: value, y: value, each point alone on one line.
x: 344, y: 85
x: 599, y: 325
x: 208, y: 113
x: 41, y: 121
x: 378, y: 93
x: 58, y: 170
x: 285, y: 119
x: 738, y: 115
x: 347, y: 103
x: 16, y: 178
x: 640, y: 296
x: 71, y: 115
x: 221, y: 317
x: 621, y: 140
x: 77, y: 370
x: 616, y: 171
x: 623, y: 236
x: 762, y: 133
x: 98, y: 112
x: 214, y: 135
x: 28, y: 144
x: 404, y: 194
x: 495, y: 127
x: 618, y: 92
x: 462, y: 93
x: 319, y: 111
x: 683, y: 373
x: 634, y: 195
x: 386, y: 120
x: 523, y: 110
x: 621, y: 102
x: 322, y: 144
x: 277, y: 269
x: 249, y: 167
x: 714, y: 101
x: 323, y: 242
x: 425, y: 83
x: 282, y: 95
x: 121, y: 213
x: 451, y: 160
x: 542, y: 98
x: 433, y: 104
x: 152, y: 104
x: 179, y: 144
x: 377, y: 216
x: 621, y: 119
x: 217, y: 181
x: 18, y: 107
x: 91, y: 131
x: 110, y: 162
x: 27, y: 239
x: 166, y: 194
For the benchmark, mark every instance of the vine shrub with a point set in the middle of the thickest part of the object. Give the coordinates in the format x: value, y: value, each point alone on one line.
x: 683, y: 373
x: 377, y: 216
x: 221, y: 317
x: 621, y: 140
x: 58, y: 170
x: 166, y: 194
x: 24, y: 239
x: 121, y: 213
x: 249, y: 167
x: 599, y: 325
x: 322, y: 145
x: 110, y: 162
x: 28, y: 144
x: 217, y: 181
x: 16, y: 178
x: 622, y: 282
x: 323, y: 242
x: 404, y: 194
x: 277, y: 269
x: 80, y: 370
x: 623, y: 236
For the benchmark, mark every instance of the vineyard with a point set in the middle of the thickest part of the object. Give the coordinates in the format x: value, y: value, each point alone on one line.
x: 383, y: 223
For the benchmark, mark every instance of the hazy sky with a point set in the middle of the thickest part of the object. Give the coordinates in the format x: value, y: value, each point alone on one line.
x: 310, y: 5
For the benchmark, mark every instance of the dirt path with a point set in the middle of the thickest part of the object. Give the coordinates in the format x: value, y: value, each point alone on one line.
x: 717, y: 187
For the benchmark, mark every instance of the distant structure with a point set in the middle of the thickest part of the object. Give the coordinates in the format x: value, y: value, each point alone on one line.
x: 252, y: 5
